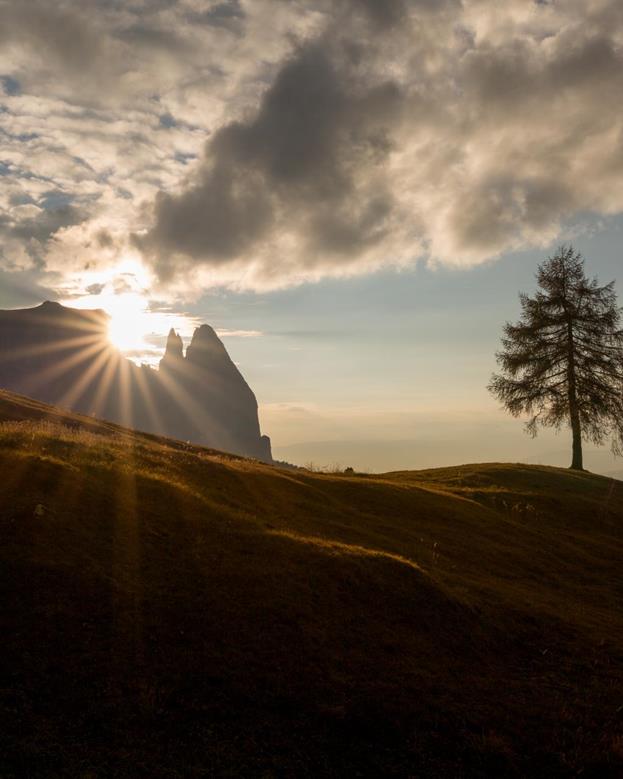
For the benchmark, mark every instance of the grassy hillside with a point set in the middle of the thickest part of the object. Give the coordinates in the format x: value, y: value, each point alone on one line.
x: 172, y: 611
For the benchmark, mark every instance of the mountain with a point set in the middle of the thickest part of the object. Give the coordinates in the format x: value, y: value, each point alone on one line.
x: 62, y: 356
x: 171, y: 611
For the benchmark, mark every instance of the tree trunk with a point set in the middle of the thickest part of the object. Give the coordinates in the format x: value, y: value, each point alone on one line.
x: 576, y: 461
x: 574, y: 412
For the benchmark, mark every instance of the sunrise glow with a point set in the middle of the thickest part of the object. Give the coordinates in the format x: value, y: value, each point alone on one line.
x: 136, y: 328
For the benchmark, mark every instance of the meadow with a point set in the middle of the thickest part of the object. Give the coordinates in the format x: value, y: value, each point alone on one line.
x: 170, y: 610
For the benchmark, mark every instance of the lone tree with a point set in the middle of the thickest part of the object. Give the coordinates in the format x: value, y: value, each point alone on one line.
x: 563, y: 361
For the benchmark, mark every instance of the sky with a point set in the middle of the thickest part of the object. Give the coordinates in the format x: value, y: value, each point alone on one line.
x: 351, y: 192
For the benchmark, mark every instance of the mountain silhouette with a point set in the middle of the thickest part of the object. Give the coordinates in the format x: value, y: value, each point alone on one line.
x: 62, y: 356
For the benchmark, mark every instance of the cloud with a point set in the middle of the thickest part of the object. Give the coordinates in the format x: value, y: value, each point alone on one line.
x: 402, y: 130
x: 304, y: 150
x: 303, y: 176
x: 55, y: 37
x: 225, y: 333
x: 229, y: 15
x: 259, y: 145
x: 26, y: 228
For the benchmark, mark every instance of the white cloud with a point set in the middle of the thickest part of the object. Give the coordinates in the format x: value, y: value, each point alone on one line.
x: 225, y: 333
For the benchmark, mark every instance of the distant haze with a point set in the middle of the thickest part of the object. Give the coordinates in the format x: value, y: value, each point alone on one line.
x: 434, y: 443
x: 378, y: 456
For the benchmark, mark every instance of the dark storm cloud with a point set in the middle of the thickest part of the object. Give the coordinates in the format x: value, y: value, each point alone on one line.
x: 301, y: 165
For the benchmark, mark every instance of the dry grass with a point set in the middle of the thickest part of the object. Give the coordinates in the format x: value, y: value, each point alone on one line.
x: 174, y: 611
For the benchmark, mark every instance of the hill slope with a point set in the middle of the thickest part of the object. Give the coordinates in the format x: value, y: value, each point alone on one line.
x: 172, y: 611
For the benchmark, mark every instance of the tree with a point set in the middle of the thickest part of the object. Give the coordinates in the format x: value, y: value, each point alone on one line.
x: 563, y: 361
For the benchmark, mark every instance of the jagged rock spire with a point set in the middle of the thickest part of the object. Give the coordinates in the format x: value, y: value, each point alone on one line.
x: 206, y: 348
x: 175, y: 345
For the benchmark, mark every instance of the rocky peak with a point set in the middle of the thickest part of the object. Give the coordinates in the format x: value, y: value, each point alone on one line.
x: 175, y: 346
x: 63, y: 316
x: 173, y: 353
x: 201, y: 397
x: 206, y: 348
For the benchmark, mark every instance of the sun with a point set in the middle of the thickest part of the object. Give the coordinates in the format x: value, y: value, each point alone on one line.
x: 136, y: 329
x: 129, y: 323
x: 138, y: 332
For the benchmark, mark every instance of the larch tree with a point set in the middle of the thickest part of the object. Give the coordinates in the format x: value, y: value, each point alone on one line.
x: 562, y: 362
